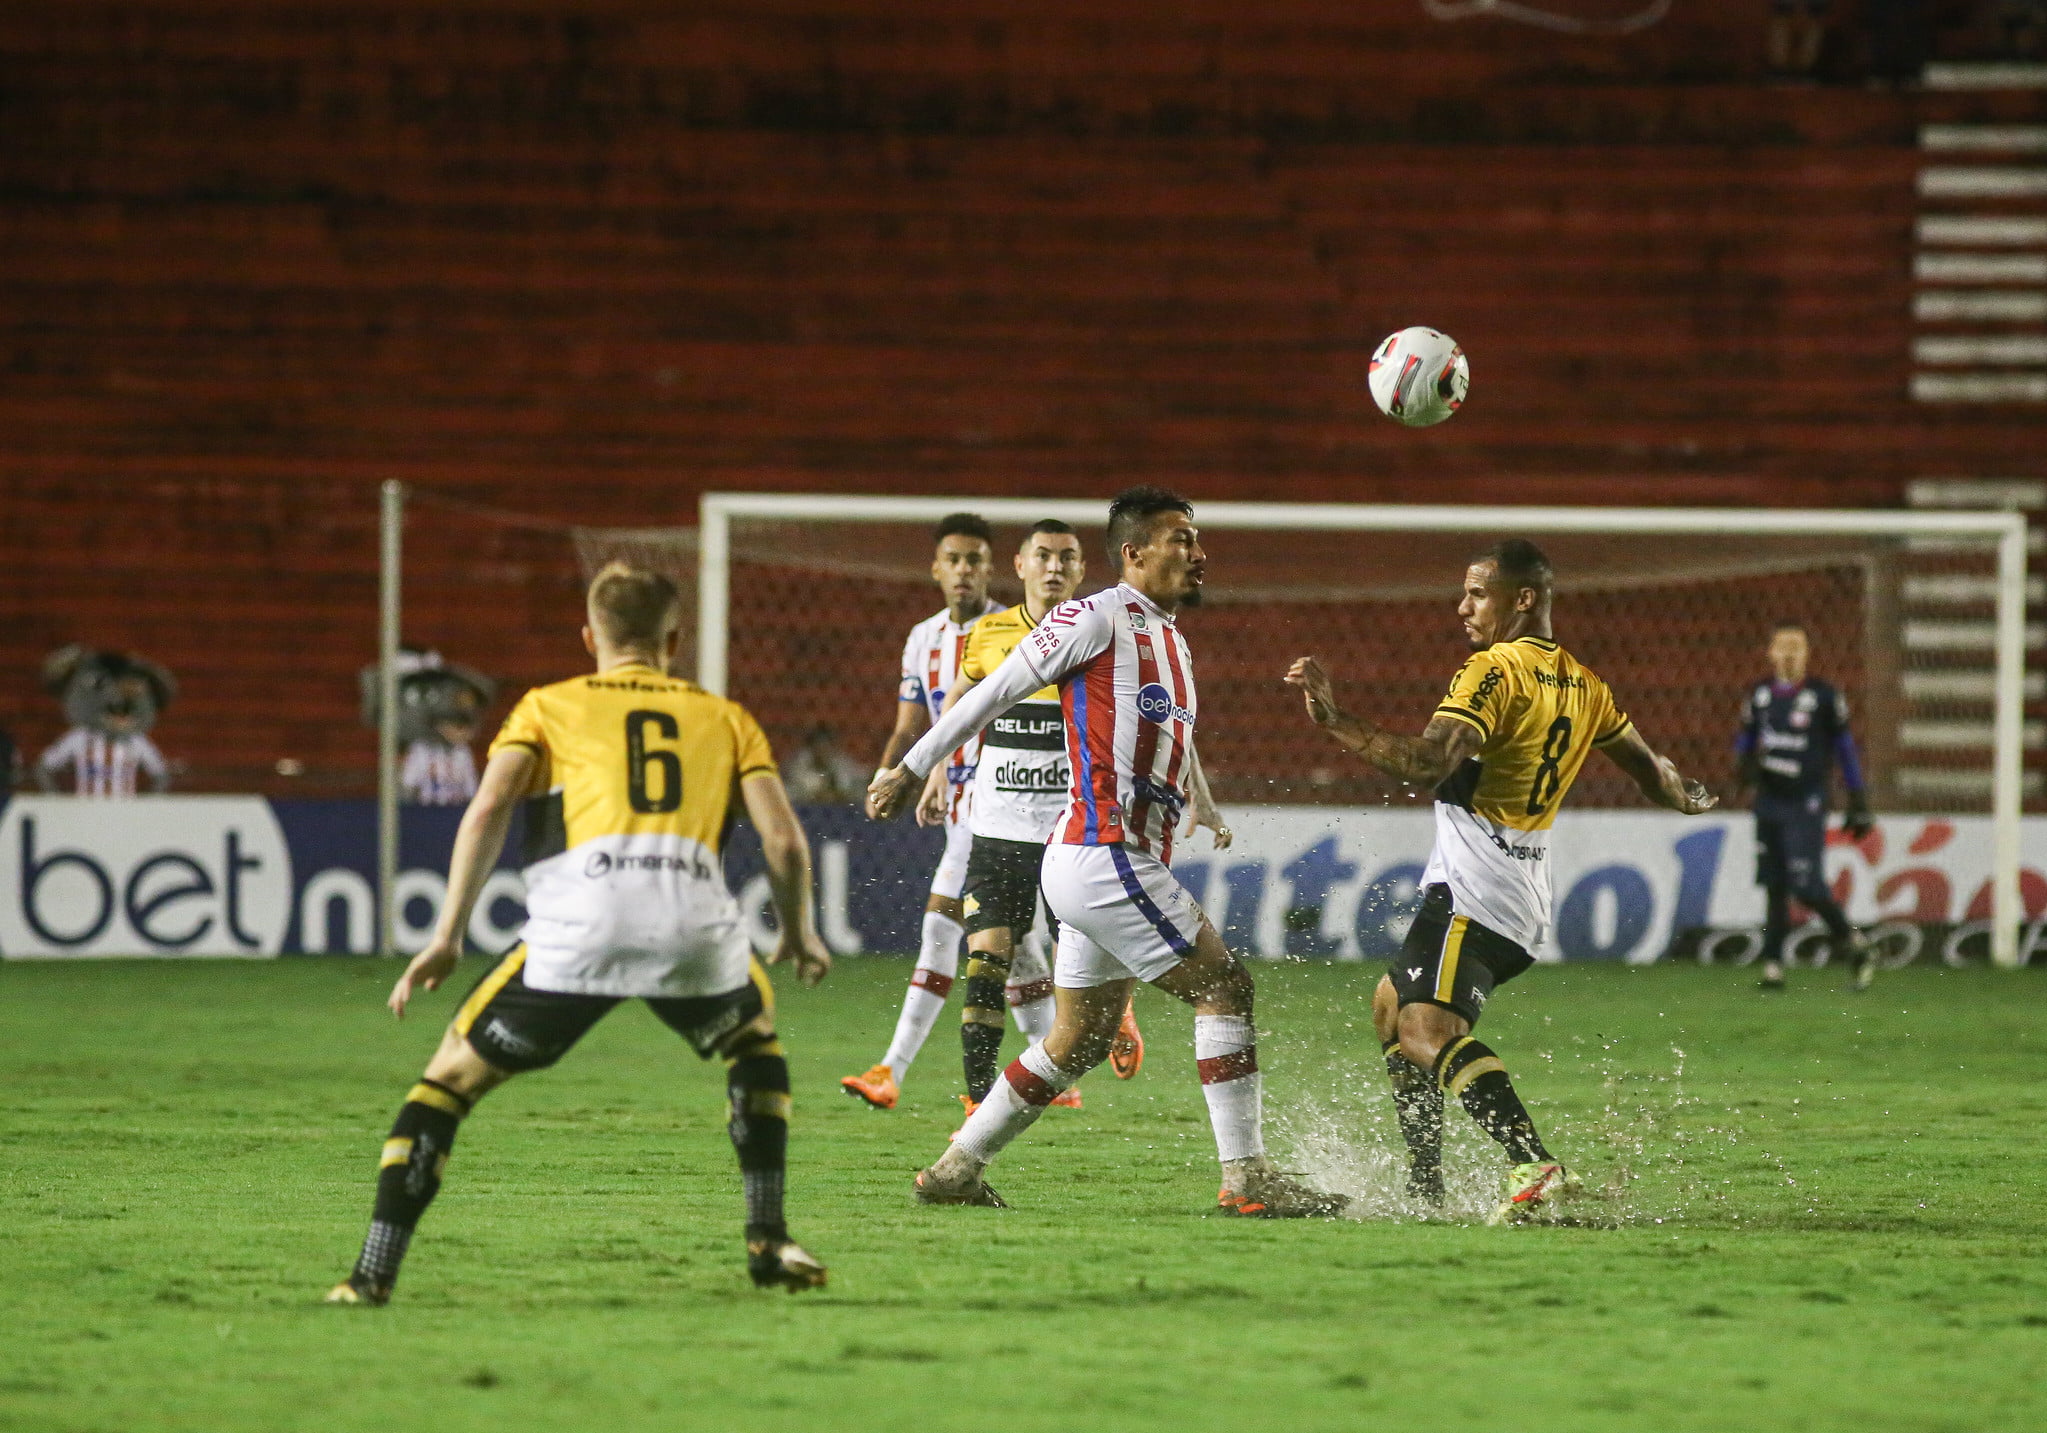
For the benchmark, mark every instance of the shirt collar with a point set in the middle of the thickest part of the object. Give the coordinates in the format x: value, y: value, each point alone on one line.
x: 1169, y: 618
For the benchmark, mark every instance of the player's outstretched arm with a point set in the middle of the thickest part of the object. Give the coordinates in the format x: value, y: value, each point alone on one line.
x: 931, y: 803
x: 478, y: 841
x: 787, y: 851
x: 1444, y: 745
x: 1004, y: 687
x: 1657, y: 776
x: 911, y: 722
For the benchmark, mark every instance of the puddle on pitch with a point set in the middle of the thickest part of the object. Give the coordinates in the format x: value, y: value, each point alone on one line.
x: 1349, y: 1142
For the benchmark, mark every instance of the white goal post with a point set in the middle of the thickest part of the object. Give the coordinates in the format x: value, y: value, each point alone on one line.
x: 2003, y: 531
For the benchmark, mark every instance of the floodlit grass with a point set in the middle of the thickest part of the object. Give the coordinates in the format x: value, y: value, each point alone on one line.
x: 1825, y: 1213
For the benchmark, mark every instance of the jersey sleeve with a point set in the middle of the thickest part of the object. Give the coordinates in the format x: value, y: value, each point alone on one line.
x: 1072, y: 634
x: 1477, y: 693
x: 911, y: 687
x: 1609, y: 723
x: 523, y: 727
x: 753, y: 756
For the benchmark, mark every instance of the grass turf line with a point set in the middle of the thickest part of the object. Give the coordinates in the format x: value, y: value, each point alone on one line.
x: 1847, y: 1186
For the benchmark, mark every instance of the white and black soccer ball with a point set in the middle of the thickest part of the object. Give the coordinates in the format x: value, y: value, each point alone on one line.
x: 1419, y: 377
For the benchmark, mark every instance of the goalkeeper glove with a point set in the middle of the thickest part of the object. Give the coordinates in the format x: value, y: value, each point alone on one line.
x: 1856, y: 820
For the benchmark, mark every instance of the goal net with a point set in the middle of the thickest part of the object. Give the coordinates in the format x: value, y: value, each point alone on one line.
x: 799, y: 603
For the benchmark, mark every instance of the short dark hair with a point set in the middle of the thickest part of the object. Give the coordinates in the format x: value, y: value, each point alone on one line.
x: 1791, y: 624
x: 963, y: 524
x: 1132, y: 510
x: 1050, y: 524
x: 1519, y: 563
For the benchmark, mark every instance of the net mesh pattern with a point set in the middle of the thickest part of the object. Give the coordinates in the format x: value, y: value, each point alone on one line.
x: 1677, y: 626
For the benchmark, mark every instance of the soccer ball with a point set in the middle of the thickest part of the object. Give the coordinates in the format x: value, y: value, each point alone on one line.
x: 1419, y: 377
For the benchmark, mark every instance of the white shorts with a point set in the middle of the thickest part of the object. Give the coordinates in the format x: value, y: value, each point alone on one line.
x: 950, y: 879
x: 1121, y: 913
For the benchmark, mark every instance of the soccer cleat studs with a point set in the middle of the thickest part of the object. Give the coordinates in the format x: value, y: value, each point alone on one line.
x: 931, y: 1189
x: 1126, y: 1051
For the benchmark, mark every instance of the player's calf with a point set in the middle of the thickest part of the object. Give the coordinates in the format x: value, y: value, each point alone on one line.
x: 1418, y: 1104
x: 757, y: 1088
x: 408, y: 1178
x: 1478, y: 1077
x: 984, y: 1020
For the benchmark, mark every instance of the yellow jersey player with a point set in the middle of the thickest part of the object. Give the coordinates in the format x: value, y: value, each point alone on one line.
x: 1501, y: 752
x: 628, y: 776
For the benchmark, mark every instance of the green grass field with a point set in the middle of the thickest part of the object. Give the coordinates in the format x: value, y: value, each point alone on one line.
x: 1825, y: 1213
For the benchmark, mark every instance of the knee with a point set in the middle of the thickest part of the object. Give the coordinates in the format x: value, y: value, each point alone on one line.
x: 1231, y: 993
x: 1421, y: 1038
x: 751, y: 1044
x: 458, y: 1067
x: 1385, y: 1010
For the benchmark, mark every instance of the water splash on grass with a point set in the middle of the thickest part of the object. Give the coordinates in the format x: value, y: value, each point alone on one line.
x: 1628, y: 1155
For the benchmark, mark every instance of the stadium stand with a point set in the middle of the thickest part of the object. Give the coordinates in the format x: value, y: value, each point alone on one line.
x: 588, y: 265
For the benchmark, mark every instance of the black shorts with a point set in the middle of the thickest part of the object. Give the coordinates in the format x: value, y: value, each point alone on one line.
x: 1791, y: 846
x: 1452, y: 960
x: 515, y: 1027
x: 1002, y: 885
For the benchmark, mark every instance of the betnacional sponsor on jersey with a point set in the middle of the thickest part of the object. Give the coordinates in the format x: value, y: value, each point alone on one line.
x: 241, y: 876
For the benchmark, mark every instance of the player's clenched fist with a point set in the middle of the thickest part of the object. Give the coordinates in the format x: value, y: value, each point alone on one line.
x: 1307, y: 675
x: 889, y: 790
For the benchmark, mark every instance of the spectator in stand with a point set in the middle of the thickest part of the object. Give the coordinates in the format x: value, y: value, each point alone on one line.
x: 1798, y: 31
x: 111, y: 700
x: 820, y: 773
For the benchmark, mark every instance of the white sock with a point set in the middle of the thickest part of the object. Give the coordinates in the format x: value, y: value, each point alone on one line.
x: 1226, y: 1053
x: 1013, y: 1106
x: 938, y: 962
x: 1030, y: 990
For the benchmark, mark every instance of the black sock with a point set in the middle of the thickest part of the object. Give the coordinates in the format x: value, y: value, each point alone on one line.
x: 1821, y: 903
x: 1418, y: 1101
x: 1776, y: 923
x: 758, y: 1085
x: 409, y: 1177
x: 1474, y: 1074
x: 983, y: 1022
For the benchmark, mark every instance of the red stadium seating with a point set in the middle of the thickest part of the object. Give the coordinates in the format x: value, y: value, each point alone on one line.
x: 590, y: 262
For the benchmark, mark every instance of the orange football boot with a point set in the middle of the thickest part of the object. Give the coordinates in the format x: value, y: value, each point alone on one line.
x: 1126, y: 1051
x: 877, y: 1087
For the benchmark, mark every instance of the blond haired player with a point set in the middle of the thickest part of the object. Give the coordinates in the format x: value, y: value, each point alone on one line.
x: 962, y: 565
x: 1502, y: 750
x: 628, y: 777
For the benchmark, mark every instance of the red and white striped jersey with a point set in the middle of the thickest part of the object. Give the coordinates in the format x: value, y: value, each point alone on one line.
x: 931, y: 665
x: 1126, y: 686
x: 103, y: 765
